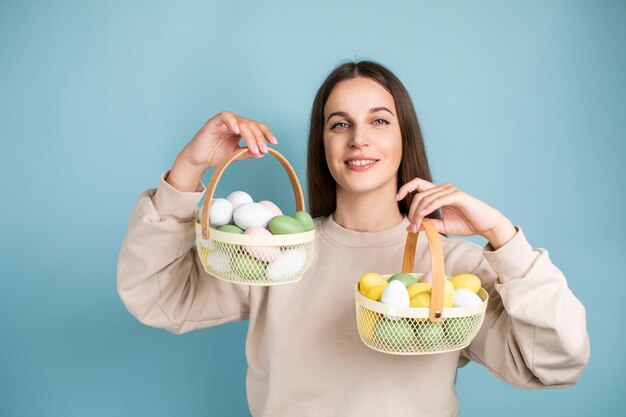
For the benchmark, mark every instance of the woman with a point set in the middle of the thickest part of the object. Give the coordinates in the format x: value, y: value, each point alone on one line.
x: 369, y: 183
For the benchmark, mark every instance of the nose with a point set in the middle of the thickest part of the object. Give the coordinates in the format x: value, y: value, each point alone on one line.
x: 358, y: 137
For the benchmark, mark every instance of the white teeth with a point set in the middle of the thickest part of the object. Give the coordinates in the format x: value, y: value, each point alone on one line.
x: 361, y: 162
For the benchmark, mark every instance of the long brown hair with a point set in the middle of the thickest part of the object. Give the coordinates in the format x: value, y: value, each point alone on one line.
x: 320, y: 183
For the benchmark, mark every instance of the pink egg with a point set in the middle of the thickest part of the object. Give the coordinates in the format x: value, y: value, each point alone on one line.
x: 428, y: 277
x: 272, y: 207
x: 263, y: 253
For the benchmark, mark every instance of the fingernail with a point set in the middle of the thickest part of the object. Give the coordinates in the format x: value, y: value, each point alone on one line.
x: 255, y: 149
x: 275, y: 140
x: 414, y: 228
x: 265, y: 148
x: 422, y: 212
x: 236, y: 129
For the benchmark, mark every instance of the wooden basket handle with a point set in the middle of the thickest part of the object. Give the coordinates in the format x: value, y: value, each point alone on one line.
x: 206, y: 206
x: 436, y: 259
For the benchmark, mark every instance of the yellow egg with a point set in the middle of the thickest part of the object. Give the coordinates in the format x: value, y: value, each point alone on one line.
x: 421, y: 300
x: 370, y: 280
x: 418, y: 288
x: 375, y: 293
x: 467, y: 281
x: 367, y: 322
x: 204, y: 254
x: 448, y: 293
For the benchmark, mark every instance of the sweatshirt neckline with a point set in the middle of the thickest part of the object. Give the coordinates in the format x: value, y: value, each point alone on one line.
x: 339, y: 235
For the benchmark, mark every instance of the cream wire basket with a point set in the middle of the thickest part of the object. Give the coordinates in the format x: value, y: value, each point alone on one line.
x: 419, y: 331
x: 251, y: 259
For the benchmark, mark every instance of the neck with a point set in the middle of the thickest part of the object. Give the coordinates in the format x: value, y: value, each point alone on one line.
x: 367, y: 212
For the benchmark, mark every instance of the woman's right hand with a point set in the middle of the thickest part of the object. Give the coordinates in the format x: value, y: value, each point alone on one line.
x: 214, y: 142
x: 219, y: 137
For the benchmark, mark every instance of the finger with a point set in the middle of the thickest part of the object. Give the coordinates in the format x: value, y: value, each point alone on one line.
x: 269, y: 136
x: 258, y: 136
x: 416, y: 184
x: 249, y: 138
x: 418, y: 213
x: 417, y: 199
x: 445, y: 200
x: 246, y: 155
x: 439, y: 225
x: 230, y: 120
x: 413, y: 228
x: 441, y: 201
x: 436, y: 201
x: 419, y: 208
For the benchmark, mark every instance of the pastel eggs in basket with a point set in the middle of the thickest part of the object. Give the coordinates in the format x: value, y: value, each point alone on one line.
x: 404, y: 290
x: 239, y: 214
x: 239, y: 210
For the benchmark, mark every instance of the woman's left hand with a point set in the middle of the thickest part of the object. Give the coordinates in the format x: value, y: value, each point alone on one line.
x: 461, y: 214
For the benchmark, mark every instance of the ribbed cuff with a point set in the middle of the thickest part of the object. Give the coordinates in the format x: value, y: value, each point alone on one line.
x: 169, y: 201
x: 513, y: 260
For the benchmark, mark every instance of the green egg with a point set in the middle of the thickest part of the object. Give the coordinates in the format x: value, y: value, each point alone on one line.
x: 429, y: 334
x: 230, y: 228
x: 247, y: 267
x: 406, y: 279
x: 396, y: 334
x: 457, y: 330
x: 305, y: 220
x: 285, y: 225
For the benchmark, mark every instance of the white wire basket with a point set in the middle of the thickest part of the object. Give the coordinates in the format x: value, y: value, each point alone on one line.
x: 419, y: 331
x: 252, y: 259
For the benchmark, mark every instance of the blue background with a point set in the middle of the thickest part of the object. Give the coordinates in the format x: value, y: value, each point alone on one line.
x: 522, y: 105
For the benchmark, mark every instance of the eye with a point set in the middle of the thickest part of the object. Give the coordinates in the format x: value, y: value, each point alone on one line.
x: 339, y: 125
x: 381, y: 122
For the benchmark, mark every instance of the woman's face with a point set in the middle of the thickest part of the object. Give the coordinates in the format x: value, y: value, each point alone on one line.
x: 362, y: 138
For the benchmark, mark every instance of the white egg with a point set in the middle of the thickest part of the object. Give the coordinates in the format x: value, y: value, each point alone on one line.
x: 221, y: 212
x: 395, y: 294
x: 238, y: 198
x: 288, y: 264
x: 466, y: 298
x: 252, y: 215
x: 206, y: 244
x: 220, y: 261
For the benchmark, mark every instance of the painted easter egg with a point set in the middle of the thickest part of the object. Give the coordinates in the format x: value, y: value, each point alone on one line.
x: 304, y: 219
x: 219, y: 261
x: 237, y: 198
x: 264, y: 253
x: 466, y: 298
x: 287, y: 265
x: 395, y: 294
x: 272, y: 206
x: 252, y: 215
x: 221, y: 212
x: 284, y: 225
x: 247, y: 267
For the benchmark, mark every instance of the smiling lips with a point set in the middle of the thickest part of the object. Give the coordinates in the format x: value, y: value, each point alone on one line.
x: 360, y: 164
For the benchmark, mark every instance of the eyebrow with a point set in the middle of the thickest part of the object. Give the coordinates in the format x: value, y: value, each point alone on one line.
x: 372, y: 110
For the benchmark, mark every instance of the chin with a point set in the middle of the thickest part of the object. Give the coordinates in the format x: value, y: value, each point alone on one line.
x: 354, y: 187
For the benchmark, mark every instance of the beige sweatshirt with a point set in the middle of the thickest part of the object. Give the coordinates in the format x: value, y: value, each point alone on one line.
x: 304, y: 354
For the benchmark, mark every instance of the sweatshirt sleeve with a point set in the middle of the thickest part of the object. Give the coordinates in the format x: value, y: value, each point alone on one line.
x: 160, y: 278
x: 534, y: 334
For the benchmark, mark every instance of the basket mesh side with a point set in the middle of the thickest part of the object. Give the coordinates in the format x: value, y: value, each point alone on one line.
x: 402, y: 335
x: 255, y: 265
